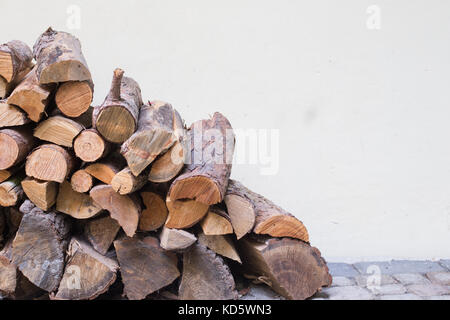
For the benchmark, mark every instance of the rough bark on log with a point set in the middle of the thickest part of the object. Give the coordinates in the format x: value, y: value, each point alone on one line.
x: 167, y: 166
x: 41, y: 193
x: 174, y: 239
x: 32, y: 97
x: 125, y: 182
x: 106, y: 169
x: 184, y: 213
x: 220, y: 244
x: 216, y: 222
x: 73, y: 98
x: 154, y: 213
x: 58, y: 130
x: 81, y: 181
x: 125, y: 209
x: 15, y: 144
x: 50, y: 162
x: 159, y: 127
x: 11, y: 191
x: 88, y: 274
x: 39, y: 247
x: 145, y: 267
x: 117, y: 118
x: 245, y: 206
x: 291, y: 267
x: 15, y: 57
x: 77, y: 205
x: 101, y: 232
x: 59, y: 58
x: 205, y: 276
x: 11, y: 116
x: 205, y: 177
x: 89, y: 146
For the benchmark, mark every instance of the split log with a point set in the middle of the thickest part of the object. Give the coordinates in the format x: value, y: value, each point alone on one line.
x: 144, y: 266
x: 107, y: 168
x: 125, y: 182
x: 81, y: 181
x: 7, y: 87
x: 58, y: 130
x: 88, y: 274
x: 8, y: 173
x: 41, y: 193
x: 15, y: 144
x: 101, y: 232
x: 291, y: 267
x: 184, y: 213
x: 249, y: 210
x: 39, y: 247
x: 167, y: 166
x: 32, y: 97
x: 174, y: 239
x: 89, y: 146
x: 216, y: 222
x: 11, y: 191
x: 11, y: 116
x: 77, y: 205
x: 205, y: 177
x: 15, y: 57
x: 125, y: 209
x: 154, y: 213
x: 117, y: 118
x: 73, y: 98
x: 220, y: 244
x: 159, y: 127
x: 50, y: 162
x: 205, y: 276
x: 59, y: 58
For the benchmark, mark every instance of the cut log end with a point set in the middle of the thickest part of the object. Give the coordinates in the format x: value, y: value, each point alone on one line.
x: 81, y: 181
x: 241, y: 213
x: 58, y: 130
x: 10, y: 192
x: 198, y: 188
x: 174, y: 239
x: 116, y: 124
x: 41, y: 193
x: 10, y: 151
x: 166, y: 167
x: 10, y: 115
x: 73, y: 98
x: 89, y: 146
x: 78, y: 205
x: 155, y: 212
x: 124, y: 182
x: 184, y: 213
x: 283, y: 226
x: 216, y: 222
x: 63, y: 71
x: 14, y: 145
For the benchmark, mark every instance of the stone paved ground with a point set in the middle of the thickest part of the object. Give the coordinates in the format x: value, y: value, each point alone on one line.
x: 394, y: 280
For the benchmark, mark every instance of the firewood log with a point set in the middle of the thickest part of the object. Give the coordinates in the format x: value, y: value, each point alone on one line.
x: 73, y: 98
x: 11, y: 191
x: 184, y: 213
x: 76, y: 204
x: 50, y: 162
x: 59, y: 58
x: 249, y: 210
x: 89, y: 146
x: 15, y: 57
x: 174, y: 239
x: 220, y: 244
x: 15, y: 144
x: 31, y: 96
x: 291, y: 267
x: 41, y: 193
x: 145, y: 267
x: 11, y: 116
x: 216, y: 222
x: 58, y: 130
x: 106, y: 169
x: 39, y: 247
x: 7, y: 87
x: 8, y: 173
x: 205, y: 276
x: 126, y: 209
x: 81, y: 181
x: 88, y: 274
x: 125, y: 182
x: 158, y: 128
x: 154, y: 213
x: 101, y: 232
x: 205, y: 180
x: 167, y: 166
x: 117, y: 118
x: 13, y: 219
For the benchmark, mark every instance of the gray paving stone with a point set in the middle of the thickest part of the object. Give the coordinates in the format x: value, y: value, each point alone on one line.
x: 346, y: 293
x: 261, y: 292
x: 411, y: 278
x: 430, y: 290
x: 438, y: 298
x: 407, y: 296
x: 342, y: 282
x: 342, y: 270
x: 401, y: 266
x: 445, y: 263
x: 442, y: 278
x: 362, y: 280
x: 389, y: 289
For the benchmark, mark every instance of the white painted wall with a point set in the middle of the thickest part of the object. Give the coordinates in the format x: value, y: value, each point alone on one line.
x: 363, y: 114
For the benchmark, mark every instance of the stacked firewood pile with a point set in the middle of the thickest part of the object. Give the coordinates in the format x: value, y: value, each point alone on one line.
x: 122, y: 199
